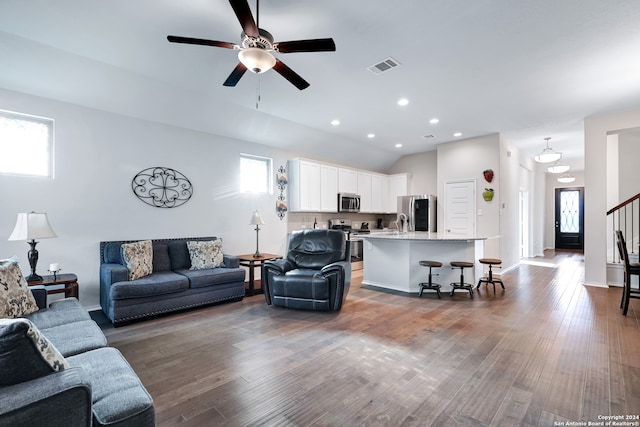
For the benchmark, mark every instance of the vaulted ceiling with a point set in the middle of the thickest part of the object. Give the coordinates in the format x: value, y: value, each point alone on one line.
x: 526, y: 69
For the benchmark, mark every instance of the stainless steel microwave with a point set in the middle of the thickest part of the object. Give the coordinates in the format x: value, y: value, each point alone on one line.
x: 348, y: 202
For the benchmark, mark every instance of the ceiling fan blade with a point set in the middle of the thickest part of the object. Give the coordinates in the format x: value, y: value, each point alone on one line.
x: 244, y: 15
x: 235, y: 75
x: 290, y: 75
x: 205, y: 42
x: 313, y: 45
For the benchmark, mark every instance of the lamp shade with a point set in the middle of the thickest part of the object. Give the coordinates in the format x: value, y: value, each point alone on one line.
x: 558, y: 167
x: 256, y: 59
x: 256, y: 219
x: 566, y: 178
x: 548, y: 155
x: 31, y: 226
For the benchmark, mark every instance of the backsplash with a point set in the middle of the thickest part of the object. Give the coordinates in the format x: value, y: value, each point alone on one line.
x: 302, y: 220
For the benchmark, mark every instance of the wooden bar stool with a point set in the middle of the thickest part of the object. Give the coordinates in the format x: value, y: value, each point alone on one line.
x: 461, y: 285
x: 489, y: 279
x: 430, y: 285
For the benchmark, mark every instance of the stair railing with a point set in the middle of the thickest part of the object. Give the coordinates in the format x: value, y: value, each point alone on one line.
x: 626, y: 218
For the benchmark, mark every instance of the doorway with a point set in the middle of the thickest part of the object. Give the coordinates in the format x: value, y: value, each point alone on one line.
x: 569, y: 221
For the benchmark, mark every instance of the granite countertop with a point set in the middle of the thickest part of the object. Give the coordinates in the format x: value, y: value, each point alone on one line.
x: 420, y: 235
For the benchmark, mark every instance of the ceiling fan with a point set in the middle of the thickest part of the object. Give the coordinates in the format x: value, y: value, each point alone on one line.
x: 257, y: 47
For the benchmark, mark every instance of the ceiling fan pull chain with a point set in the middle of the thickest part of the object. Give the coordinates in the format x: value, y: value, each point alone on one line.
x: 258, y: 92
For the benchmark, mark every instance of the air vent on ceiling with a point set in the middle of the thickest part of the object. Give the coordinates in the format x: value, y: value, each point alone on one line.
x: 383, y: 66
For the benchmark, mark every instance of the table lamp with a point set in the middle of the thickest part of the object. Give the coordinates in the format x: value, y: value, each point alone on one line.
x: 256, y: 220
x: 31, y: 226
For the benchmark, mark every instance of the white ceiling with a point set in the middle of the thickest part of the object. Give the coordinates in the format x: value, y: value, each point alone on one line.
x: 526, y: 69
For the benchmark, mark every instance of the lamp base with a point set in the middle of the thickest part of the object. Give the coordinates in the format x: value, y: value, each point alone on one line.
x: 33, y: 277
x: 257, y: 255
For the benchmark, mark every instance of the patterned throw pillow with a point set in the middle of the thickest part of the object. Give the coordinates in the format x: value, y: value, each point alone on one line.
x: 205, y: 254
x: 25, y: 353
x: 138, y: 257
x: 15, y: 297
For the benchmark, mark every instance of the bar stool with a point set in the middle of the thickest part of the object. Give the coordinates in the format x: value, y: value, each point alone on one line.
x: 461, y: 285
x: 489, y: 279
x: 430, y: 284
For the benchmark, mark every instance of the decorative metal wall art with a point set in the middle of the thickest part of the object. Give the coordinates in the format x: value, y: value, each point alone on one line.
x: 162, y: 187
x: 281, y: 183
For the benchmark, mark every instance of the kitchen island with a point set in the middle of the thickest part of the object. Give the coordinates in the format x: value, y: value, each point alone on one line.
x: 392, y: 260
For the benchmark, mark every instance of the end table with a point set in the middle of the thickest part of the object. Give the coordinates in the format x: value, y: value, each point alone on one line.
x: 63, y: 283
x: 248, y: 260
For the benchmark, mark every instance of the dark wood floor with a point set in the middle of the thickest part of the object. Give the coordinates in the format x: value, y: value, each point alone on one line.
x: 545, y: 351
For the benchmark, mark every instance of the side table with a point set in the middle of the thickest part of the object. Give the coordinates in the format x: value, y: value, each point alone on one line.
x: 248, y: 260
x: 63, y: 283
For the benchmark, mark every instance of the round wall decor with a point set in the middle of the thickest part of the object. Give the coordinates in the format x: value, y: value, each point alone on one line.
x: 162, y: 187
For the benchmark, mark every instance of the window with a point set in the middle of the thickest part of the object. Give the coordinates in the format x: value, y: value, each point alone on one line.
x: 255, y: 174
x: 26, y: 144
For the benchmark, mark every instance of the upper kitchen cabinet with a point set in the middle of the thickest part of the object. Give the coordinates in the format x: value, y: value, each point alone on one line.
x: 347, y: 181
x: 328, y: 188
x: 313, y: 186
x: 365, y: 191
x: 398, y: 186
x: 379, y: 193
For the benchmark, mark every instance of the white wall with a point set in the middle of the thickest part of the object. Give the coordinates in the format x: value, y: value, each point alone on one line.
x: 424, y: 171
x: 595, y: 247
x: 509, y: 208
x: 628, y: 170
x: 96, y: 156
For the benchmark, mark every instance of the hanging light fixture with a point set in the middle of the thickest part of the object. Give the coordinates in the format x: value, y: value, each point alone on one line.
x: 558, y: 167
x: 256, y: 59
x: 566, y: 178
x: 548, y: 155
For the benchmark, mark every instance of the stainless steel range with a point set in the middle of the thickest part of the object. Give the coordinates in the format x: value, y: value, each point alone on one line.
x: 353, y: 235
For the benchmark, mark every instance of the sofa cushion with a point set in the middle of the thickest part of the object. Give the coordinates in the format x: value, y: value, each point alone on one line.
x: 112, y: 253
x: 179, y: 255
x: 15, y: 298
x: 154, y: 284
x: 205, y: 254
x: 76, y: 337
x: 138, y: 257
x: 25, y: 353
x: 213, y: 276
x: 60, y: 312
x: 161, y: 260
x: 118, y: 396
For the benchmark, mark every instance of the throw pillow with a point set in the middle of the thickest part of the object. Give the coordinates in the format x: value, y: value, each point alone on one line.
x: 138, y: 257
x: 15, y: 297
x: 205, y: 254
x: 25, y: 353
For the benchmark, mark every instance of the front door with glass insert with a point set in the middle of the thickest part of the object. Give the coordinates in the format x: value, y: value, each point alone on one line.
x: 570, y: 218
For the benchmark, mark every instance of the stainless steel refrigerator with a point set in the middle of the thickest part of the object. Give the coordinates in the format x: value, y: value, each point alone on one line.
x: 420, y: 211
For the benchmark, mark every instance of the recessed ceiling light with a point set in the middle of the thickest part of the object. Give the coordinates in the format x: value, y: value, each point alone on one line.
x: 335, y: 122
x: 371, y: 135
x: 403, y: 101
x: 434, y: 121
x: 457, y: 134
x: 398, y: 145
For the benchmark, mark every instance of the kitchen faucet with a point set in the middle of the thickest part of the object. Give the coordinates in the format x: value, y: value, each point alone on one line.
x: 402, y: 218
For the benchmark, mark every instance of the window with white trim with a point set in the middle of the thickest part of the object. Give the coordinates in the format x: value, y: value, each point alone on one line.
x: 255, y: 174
x: 26, y: 144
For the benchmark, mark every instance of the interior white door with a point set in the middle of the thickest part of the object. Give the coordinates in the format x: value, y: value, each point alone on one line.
x: 460, y: 207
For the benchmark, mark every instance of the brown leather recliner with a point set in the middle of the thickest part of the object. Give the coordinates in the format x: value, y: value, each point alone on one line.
x: 315, y: 275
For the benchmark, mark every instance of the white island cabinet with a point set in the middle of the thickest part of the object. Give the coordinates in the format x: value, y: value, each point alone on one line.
x: 392, y: 260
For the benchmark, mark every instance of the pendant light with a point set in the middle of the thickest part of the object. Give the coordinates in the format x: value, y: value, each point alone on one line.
x: 558, y: 167
x: 548, y: 155
x: 566, y: 178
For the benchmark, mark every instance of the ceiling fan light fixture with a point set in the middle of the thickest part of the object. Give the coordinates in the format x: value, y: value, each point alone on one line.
x: 257, y: 60
x: 566, y: 178
x: 548, y: 155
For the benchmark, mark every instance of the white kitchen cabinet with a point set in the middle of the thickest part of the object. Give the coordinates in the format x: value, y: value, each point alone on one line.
x: 398, y: 186
x: 347, y: 181
x: 378, y: 191
x: 364, y: 190
x: 304, y: 186
x: 328, y: 188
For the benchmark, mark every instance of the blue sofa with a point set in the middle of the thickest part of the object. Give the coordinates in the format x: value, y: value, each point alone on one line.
x: 172, y: 285
x: 98, y: 388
